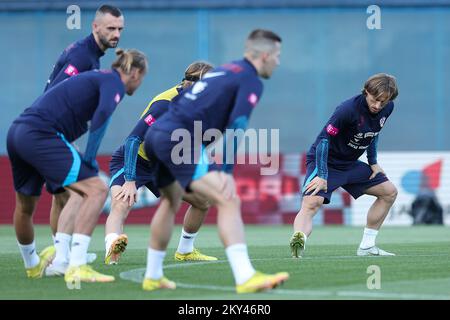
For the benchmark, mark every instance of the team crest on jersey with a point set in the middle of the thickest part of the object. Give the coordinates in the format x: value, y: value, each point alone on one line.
x: 253, y: 99
x: 117, y: 98
x: 382, y: 121
x: 71, y: 70
x: 198, y: 87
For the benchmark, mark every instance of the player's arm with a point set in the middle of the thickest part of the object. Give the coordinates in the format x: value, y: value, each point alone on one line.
x: 338, y: 121
x: 128, y: 191
x: 320, y: 181
x: 101, y: 119
x: 157, y: 109
x: 372, y: 158
x: 73, y: 66
x: 372, y: 151
x: 247, y: 97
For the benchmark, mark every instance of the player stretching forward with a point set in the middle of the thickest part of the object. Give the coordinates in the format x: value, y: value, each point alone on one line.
x: 130, y: 169
x: 39, y: 148
x: 332, y: 162
x: 81, y: 56
x: 224, y: 98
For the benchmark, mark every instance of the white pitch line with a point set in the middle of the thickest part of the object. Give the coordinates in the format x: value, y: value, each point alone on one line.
x: 137, y: 275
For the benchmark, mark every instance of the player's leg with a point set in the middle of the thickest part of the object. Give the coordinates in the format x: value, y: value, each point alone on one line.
x: 115, y: 240
x: 94, y: 193
x: 359, y: 183
x: 28, y: 185
x: 63, y: 236
x: 193, y: 220
x: 34, y: 264
x: 59, y: 200
x: 160, y: 234
x: 385, y: 194
x: 303, y: 223
x: 231, y: 231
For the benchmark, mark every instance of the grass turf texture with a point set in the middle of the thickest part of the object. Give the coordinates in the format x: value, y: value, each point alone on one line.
x: 330, y: 268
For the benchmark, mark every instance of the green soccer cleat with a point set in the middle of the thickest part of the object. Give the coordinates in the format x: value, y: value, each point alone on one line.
x: 116, y: 249
x: 297, y: 244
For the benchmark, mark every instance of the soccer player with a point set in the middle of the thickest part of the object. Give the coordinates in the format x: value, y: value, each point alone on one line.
x: 130, y: 169
x: 332, y: 162
x: 81, y: 56
x: 40, y: 150
x: 223, y: 99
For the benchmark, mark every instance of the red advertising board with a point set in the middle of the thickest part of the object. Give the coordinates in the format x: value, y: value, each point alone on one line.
x: 266, y: 199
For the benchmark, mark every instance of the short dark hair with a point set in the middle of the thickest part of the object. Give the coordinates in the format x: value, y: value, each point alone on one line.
x: 106, y: 8
x: 264, y: 34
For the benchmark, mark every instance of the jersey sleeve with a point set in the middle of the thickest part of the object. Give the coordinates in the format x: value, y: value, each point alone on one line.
x: 74, y: 65
x: 372, y: 151
x: 322, y: 159
x: 109, y: 97
x: 247, y: 97
x: 157, y: 109
x: 340, y: 119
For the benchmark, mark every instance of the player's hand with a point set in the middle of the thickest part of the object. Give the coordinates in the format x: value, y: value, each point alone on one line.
x: 376, y: 169
x: 128, y: 193
x: 316, y: 185
x: 228, y: 188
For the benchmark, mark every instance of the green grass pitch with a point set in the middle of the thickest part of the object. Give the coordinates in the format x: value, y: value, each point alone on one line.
x: 330, y: 268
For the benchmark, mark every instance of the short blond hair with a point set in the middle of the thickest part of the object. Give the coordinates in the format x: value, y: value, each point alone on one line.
x: 195, y: 71
x: 128, y: 59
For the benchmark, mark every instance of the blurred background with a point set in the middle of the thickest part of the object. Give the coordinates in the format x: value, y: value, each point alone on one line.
x: 329, y: 49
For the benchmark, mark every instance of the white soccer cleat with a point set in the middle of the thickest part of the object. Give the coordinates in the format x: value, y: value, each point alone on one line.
x: 373, y: 251
x: 56, y: 270
x: 90, y: 257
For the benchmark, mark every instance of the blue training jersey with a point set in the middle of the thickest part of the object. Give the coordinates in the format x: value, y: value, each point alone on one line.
x: 83, y: 55
x: 134, y: 145
x: 351, y: 130
x: 67, y: 107
x: 223, y: 98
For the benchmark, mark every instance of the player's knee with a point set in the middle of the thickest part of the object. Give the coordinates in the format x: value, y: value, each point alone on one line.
x: 202, y: 205
x: 98, y: 189
x: 24, y: 208
x: 119, y: 207
x: 60, y: 199
x: 25, y: 205
x: 311, y: 204
x: 171, y: 201
x: 390, y: 194
x: 234, y: 203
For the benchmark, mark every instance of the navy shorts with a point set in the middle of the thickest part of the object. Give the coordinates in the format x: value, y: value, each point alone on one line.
x: 41, y: 155
x: 144, y: 172
x: 184, y: 167
x: 354, y: 179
